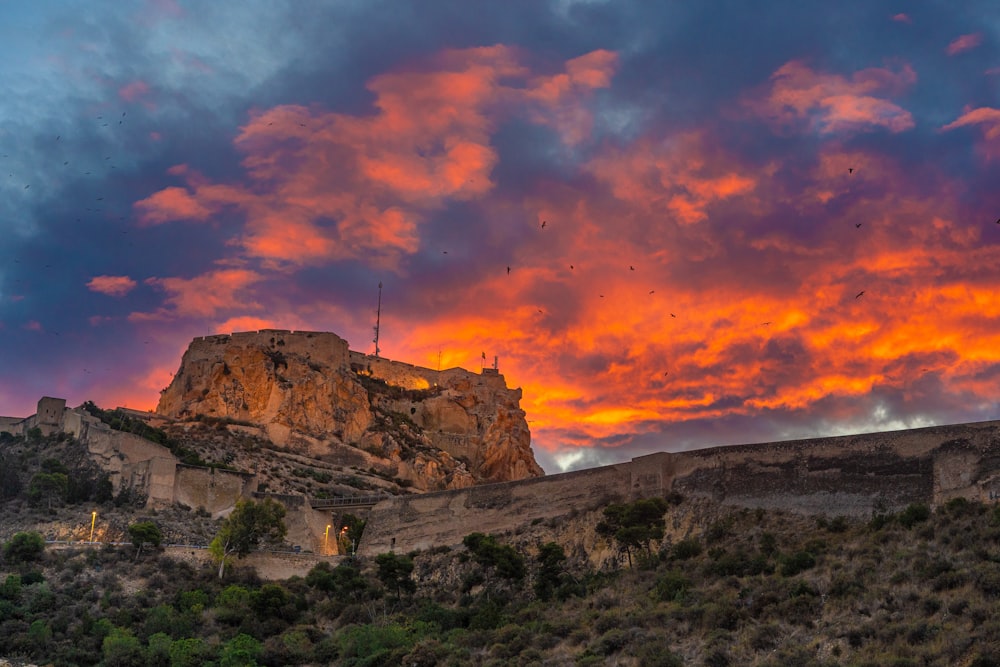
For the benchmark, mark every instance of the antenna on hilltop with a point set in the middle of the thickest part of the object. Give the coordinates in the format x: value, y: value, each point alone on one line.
x: 378, y: 316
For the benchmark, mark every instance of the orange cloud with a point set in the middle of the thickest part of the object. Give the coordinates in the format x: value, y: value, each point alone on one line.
x: 677, y: 174
x: 329, y: 186
x: 964, y: 43
x: 111, y: 285
x: 169, y: 204
x: 204, y: 295
x: 832, y: 103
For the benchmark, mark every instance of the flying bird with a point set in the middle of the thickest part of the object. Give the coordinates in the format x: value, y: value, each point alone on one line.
x: 857, y: 225
x: 850, y: 170
x: 858, y: 295
x: 543, y: 224
x: 571, y: 266
x: 998, y: 219
x: 651, y: 291
x: 631, y: 268
x: 508, y: 270
x: 444, y: 252
x: 672, y: 315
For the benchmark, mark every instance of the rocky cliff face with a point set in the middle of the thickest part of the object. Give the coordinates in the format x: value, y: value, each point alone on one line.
x: 434, y: 430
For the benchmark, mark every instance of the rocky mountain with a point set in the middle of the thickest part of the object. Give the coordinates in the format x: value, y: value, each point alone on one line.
x: 315, y: 397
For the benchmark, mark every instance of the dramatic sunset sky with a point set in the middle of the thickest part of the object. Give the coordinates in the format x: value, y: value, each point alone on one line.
x: 677, y: 224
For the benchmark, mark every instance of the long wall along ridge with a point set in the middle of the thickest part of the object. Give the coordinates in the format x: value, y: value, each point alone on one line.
x: 850, y: 475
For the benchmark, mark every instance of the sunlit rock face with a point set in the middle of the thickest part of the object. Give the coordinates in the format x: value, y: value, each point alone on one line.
x: 309, y: 392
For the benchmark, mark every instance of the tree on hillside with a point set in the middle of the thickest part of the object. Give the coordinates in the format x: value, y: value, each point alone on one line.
x: 350, y: 534
x: 501, y: 560
x: 634, y: 525
x: 248, y: 527
x: 394, y: 572
x: 143, y: 533
x: 10, y: 480
x: 550, y: 561
x: 48, y: 487
x: 24, y: 547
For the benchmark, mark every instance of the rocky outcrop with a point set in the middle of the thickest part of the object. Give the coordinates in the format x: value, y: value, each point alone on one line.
x: 430, y: 429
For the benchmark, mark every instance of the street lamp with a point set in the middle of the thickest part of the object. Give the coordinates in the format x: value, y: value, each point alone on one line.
x: 93, y: 520
x: 326, y: 541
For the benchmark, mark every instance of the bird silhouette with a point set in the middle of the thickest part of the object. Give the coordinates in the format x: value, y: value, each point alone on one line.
x: 850, y: 170
x: 570, y: 266
x: 672, y: 315
x: 444, y: 252
x: 508, y: 270
x: 857, y: 225
x: 543, y: 224
x: 631, y: 268
x: 998, y: 221
x: 651, y: 291
x: 601, y: 295
x: 858, y: 295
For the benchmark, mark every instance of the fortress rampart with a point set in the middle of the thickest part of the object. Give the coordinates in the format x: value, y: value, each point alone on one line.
x: 851, y: 475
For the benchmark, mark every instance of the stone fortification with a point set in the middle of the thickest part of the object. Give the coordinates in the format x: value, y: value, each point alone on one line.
x: 852, y: 475
x: 149, y: 469
x: 311, y: 394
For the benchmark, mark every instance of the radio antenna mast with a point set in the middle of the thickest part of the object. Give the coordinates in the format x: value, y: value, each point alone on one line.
x: 378, y: 316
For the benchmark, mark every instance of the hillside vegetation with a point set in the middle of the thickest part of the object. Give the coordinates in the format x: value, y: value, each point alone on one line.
x: 735, y: 587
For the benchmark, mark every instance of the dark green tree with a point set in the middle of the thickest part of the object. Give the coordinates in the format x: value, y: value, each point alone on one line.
x: 24, y: 547
x: 550, y: 561
x: 249, y: 526
x: 144, y: 533
x: 48, y: 487
x: 394, y: 572
x: 122, y: 649
x: 344, y: 581
x: 350, y: 533
x: 634, y: 525
x: 10, y: 479
x: 240, y: 651
x: 497, y: 560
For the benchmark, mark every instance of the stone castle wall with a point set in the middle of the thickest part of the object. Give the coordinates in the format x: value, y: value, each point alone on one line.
x: 851, y: 475
x: 213, y: 490
x: 408, y: 376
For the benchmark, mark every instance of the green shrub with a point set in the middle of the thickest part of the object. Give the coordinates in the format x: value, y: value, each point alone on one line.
x: 24, y: 547
x: 686, y: 549
x: 671, y: 586
x: 798, y: 562
x: 914, y: 514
